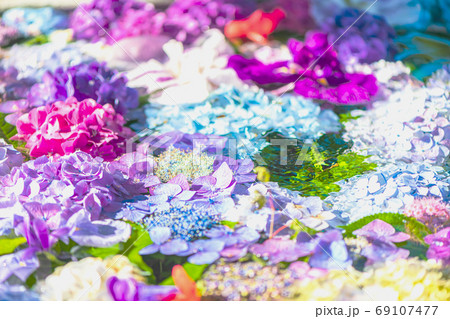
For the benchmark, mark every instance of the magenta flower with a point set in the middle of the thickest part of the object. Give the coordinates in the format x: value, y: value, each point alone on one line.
x: 314, y: 72
x: 65, y: 127
x: 439, y: 246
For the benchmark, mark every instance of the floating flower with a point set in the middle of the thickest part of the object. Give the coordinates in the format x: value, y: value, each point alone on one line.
x: 17, y: 293
x: 245, y: 115
x: 388, y: 189
x: 86, y: 279
x: 369, y: 39
x: 81, y: 81
x: 256, y: 27
x: 65, y: 127
x: 297, y: 18
x: 439, y: 246
x: 113, y: 20
x: 430, y: 211
x: 186, y: 20
x: 382, y: 237
x: 35, y: 21
x: 190, y: 74
x: 7, y: 34
x: 403, y: 279
x: 9, y: 158
x: 313, y: 71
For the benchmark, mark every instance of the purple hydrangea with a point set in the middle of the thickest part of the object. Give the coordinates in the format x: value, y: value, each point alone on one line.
x: 93, y: 80
x: 381, y: 237
x: 368, y: 40
x: 186, y: 20
x: 7, y: 34
x: 113, y: 20
x: 9, y: 158
x: 439, y: 246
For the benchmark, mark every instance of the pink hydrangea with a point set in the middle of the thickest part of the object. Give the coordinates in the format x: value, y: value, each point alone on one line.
x: 430, y: 211
x: 67, y: 126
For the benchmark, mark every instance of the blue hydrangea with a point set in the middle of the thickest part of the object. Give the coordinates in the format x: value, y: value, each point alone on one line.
x: 185, y: 222
x: 245, y: 116
x: 35, y: 21
x: 17, y: 293
x: 389, y: 189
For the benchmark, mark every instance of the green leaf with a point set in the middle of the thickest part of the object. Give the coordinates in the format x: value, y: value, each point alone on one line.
x: 6, y: 130
x: 345, y: 117
x: 104, y: 252
x: 8, y: 245
x: 229, y: 224
x: 194, y: 271
x: 139, y: 239
x: 298, y: 227
x: 400, y: 222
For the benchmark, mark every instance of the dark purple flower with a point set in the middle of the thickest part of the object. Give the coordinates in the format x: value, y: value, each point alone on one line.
x: 131, y: 290
x: 315, y: 71
x: 439, y: 246
x: 369, y: 39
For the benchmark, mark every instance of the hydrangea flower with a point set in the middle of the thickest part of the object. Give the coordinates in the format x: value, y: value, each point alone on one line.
x: 35, y: 21
x: 430, y: 211
x: 74, y: 281
x: 186, y: 20
x: 9, y: 158
x: 21, y: 264
x: 310, y: 212
x: 368, y: 40
x: 405, y: 13
x: 65, y: 127
x: 81, y: 81
x: 252, y: 281
x: 382, y: 237
x: 327, y: 80
x: 7, y: 34
x: 388, y: 189
x: 113, y: 20
x: 190, y: 74
x: 416, y: 116
x: 185, y: 222
x: 33, y: 61
x: 403, y: 279
x: 245, y: 115
x: 439, y: 246
x: 17, y: 293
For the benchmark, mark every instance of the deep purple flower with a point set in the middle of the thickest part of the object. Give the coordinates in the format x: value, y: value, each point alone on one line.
x: 369, y: 39
x: 439, y: 246
x: 315, y: 71
x: 119, y: 18
x: 382, y: 237
x: 131, y: 290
